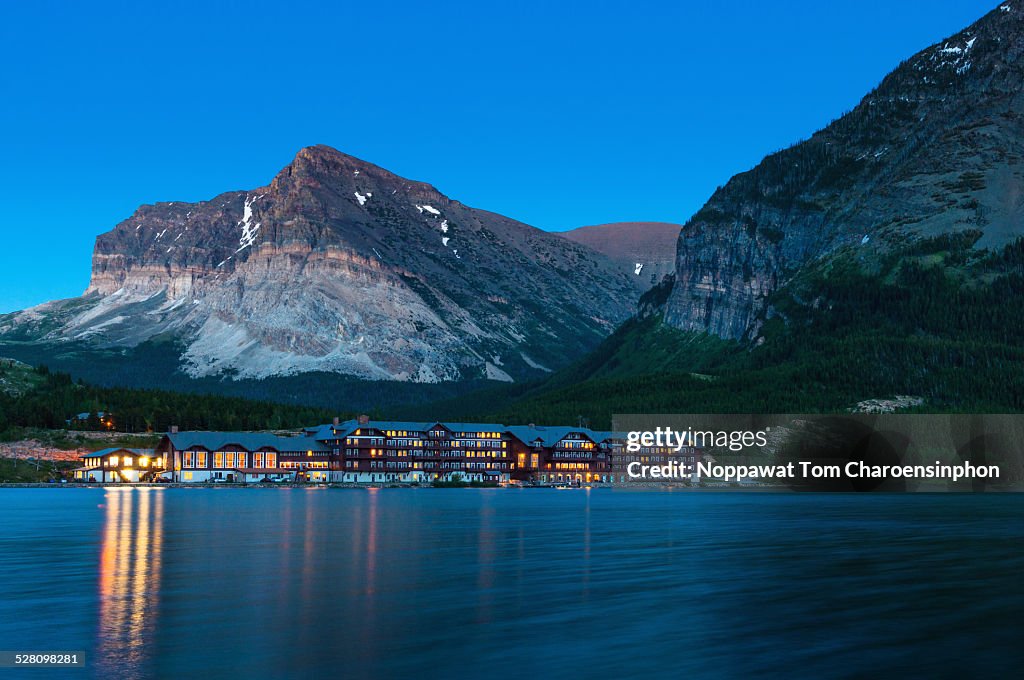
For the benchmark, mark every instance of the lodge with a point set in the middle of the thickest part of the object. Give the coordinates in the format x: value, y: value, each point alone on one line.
x: 365, y: 451
x: 120, y: 465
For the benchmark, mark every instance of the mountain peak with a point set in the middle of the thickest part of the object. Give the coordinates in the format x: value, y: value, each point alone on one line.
x: 341, y: 266
x: 322, y: 153
x: 324, y: 165
x: 323, y: 159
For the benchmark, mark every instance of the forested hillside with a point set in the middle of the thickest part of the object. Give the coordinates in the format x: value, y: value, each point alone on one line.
x: 52, y: 398
x: 936, y: 319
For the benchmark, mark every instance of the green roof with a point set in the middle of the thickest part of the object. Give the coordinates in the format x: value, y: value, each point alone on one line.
x: 349, y: 426
x: 107, y: 452
x: 549, y: 436
x: 250, y: 441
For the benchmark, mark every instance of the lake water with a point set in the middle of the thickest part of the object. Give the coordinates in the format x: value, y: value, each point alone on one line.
x: 498, y: 583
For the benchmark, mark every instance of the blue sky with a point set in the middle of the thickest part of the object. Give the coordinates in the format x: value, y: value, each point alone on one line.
x: 585, y: 113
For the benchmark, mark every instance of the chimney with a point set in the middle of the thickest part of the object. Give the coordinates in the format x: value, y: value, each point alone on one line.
x: 173, y: 429
x: 364, y: 419
x: 337, y: 421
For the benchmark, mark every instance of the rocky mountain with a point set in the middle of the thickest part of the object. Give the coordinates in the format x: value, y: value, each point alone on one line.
x: 339, y: 266
x: 935, y: 149
x: 878, y: 263
x: 645, y: 249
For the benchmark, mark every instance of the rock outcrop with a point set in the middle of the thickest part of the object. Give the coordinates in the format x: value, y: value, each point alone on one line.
x: 936, y: 148
x: 340, y: 266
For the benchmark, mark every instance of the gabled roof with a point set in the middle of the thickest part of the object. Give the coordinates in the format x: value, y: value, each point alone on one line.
x: 251, y: 441
x: 408, y: 426
x: 549, y: 436
x: 603, y: 436
x: 474, y: 427
x: 107, y: 452
x: 325, y: 432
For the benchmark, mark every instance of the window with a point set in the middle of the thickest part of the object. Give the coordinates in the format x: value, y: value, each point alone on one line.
x: 218, y: 459
x: 257, y: 459
x: 240, y: 461
x: 188, y: 476
x: 271, y: 460
x: 189, y: 459
x: 200, y: 459
x: 113, y: 461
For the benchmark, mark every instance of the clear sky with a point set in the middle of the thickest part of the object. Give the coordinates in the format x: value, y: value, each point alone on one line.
x: 557, y: 114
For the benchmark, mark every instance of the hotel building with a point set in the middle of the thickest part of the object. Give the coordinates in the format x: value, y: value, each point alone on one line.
x: 559, y: 455
x: 399, y: 451
x: 365, y: 451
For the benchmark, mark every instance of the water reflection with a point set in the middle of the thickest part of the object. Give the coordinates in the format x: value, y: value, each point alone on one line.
x: 131, y: 556
x: 463, y: 583
x: 486, y: 550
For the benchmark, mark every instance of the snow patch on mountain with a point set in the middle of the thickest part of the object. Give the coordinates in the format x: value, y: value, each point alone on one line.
x: 249, y: 230
x: 494, y: 373
x: 533, y: 364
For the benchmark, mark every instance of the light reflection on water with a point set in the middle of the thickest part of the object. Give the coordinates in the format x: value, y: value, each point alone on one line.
x: 502, y: 583
x: 129, y: 578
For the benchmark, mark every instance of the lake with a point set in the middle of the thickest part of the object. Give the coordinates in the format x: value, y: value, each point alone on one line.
x: 503, y: 583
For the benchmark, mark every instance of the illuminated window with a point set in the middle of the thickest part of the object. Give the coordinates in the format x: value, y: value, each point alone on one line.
x: 240, y: 461
x: 257, y: 460
x: 188, y: 476
x: 271, y: 460
x: 113, y: 461
x: 201, y: 459
x: 218, y: 459
x: 144, y: 462
x: 189, y: 459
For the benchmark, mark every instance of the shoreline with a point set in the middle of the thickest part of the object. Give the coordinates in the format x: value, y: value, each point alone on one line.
x: 378, y: 485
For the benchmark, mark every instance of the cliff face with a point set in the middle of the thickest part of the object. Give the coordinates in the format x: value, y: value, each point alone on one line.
x: 646, y: 250
x: 935, y: 148
x: 338, y: 265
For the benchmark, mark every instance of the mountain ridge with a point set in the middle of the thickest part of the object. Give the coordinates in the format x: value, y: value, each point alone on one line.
x: 645, y: 249
x: 935, y: 148
x: 339, y: 265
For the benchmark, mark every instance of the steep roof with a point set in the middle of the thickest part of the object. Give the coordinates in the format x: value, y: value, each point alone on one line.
x: 251, y: 441
x: 474, y: 427
x: 602, y: 436
x: 107, y: 452
x: 324, y: 432
x: 549, y: 436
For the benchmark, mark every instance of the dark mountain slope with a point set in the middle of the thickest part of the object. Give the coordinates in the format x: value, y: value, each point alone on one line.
x: 936, y: 148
